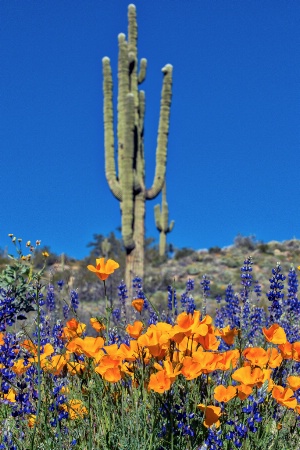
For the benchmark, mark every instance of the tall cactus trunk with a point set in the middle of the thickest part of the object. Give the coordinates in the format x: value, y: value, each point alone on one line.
x: 135, y: 258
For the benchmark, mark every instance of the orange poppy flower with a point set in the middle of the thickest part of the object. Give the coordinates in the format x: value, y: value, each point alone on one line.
x: 19, y: 367
x: 249, y: 377
x: 270, y: 385
x: 190, y: 325
x: 31, y: 420
x: 90, y: 346
x: 227, y: 334
x: 130, y: 353
x: 73, y: 329
x: 256, y: 355
x: 207, y: 360
x: 135, y: 330
x: 224, y: 394
x: 190, y: 369
x: 155, y: 340
x: 75, y: 368
x: 104, y: 269
x: 96, y: 324
x: 275, y: 358
x: 209, y: 341
x: 228, y: 360
x: 186, y: 347
x: 72, y: 324
x: 138, y: 304
x: 296, y: 351
x: 159, y: 382
x: 29, y: 346
x: 56, y: 364
x: 109, y: 368
x: 212, y: 415
x: 75, y: 409
x: 244, y: 391
x: 284, y: 396
x: 286, y: 350
x: 171, y: 371
x: 293, y: 382
x: 47, y: 350
x: 10, y: 396
x: 275, y: 334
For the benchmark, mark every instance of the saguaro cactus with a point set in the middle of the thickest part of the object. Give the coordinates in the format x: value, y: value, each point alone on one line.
x: 161, y: 221
x: 105, y: 247
x: 128, y: 185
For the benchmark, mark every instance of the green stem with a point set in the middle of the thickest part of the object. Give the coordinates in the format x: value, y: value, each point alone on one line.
x: 39, y: 365
x: 90, y: 423
x: 107, y: 316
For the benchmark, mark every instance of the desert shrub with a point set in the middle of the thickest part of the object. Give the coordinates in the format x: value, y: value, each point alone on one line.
x: 245, y: 242
x: 183, y: 252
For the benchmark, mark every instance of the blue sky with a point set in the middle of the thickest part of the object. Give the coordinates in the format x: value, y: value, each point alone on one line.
x: 234, y: 143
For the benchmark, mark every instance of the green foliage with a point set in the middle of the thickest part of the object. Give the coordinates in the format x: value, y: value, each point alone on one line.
x: 18, y: 282
x: 15, y: 285
x: 245, y: 242
x: 39, y: 260
x: 215, y: 249
x: 263, y: 247
x: 183, y: 252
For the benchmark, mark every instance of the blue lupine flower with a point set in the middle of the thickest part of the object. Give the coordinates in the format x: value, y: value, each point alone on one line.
x: 187, y: 300
x: 257, y: 289
x: 60, y: 284
x: 50, y: 298
x: 66, y: 310
x: 139, y: 293
x: 205, y: 284
x: 116, y: 314
x: 275, y: 295
x: 246, y: 276
x: 74, y: 300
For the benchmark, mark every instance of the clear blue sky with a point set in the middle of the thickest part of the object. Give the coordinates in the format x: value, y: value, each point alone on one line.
x: 234, y: 144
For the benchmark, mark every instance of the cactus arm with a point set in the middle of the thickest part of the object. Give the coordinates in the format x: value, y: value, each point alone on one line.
x: 110, y: 168
x: 142, y: 72
x: 163, y: 131
x: 123, y: 89
x: 171, y: 226
x: 157, y: 216
x: 132, y: 55
x: 127, y: 180
x: 140, y: 159
x: 132, y: 29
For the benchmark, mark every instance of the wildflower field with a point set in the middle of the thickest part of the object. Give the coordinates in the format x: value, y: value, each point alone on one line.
x: 142, y: 377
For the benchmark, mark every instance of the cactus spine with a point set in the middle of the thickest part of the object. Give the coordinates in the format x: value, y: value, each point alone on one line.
x: 128, y: 186
x: 161, y: 221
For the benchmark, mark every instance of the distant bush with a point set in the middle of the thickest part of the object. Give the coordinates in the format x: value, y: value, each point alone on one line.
x: 245, y: 242
x: 183, y: 252
x: 263, y: 247
x: 215, y: 249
